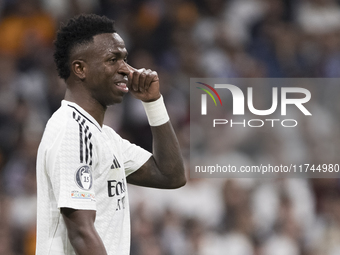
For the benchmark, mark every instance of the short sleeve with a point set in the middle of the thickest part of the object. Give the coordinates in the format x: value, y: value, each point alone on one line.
x: 134, y: 156
x: 70, y: 169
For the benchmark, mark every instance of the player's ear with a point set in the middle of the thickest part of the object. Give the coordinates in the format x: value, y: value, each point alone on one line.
x: 78, y: 67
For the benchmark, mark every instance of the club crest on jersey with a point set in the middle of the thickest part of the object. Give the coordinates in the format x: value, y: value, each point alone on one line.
x: 83, y: 178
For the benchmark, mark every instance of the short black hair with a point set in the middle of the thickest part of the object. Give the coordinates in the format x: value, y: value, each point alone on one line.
x: 77, y: 31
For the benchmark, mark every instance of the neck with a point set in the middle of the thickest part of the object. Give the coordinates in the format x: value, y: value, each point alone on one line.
x: 89, y: 104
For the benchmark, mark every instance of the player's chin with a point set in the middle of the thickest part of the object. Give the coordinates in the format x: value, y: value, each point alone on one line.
x: 117, y: 100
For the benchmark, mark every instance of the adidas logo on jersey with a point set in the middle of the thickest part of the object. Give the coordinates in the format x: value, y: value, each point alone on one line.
x: 115, y: 163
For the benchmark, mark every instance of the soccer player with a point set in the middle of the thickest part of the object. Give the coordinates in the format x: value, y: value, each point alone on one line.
x: 82, y: 165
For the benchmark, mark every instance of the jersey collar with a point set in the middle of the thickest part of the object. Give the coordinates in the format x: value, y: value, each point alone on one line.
x: 82, y: 112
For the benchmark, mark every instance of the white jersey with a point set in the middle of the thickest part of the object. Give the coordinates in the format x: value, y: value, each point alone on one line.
x: 82, y: 165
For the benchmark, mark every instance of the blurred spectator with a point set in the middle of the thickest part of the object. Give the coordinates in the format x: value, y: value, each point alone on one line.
x: 25, y: 28
x: 318, y: 17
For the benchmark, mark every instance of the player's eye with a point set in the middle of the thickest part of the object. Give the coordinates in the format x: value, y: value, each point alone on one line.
x: 113, y: 60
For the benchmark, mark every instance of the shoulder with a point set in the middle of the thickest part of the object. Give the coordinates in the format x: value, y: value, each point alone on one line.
x: 111, y: 133
x: 57, y: 122
x: 69, y: 120
x: 114, y: 137
x: 62, y: 119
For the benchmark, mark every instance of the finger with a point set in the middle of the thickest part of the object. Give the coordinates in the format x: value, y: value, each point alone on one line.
x: 130, y: 76
x: 149, y: 79
x: 135, y: 80
x: 142, y: 78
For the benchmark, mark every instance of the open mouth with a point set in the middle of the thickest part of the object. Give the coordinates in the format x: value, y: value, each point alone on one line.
x: 122, y: 86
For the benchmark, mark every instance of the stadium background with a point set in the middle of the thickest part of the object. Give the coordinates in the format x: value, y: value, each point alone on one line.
x: 180, y: 39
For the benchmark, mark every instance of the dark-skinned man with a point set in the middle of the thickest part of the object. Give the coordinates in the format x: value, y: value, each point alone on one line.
x: 83, y: 166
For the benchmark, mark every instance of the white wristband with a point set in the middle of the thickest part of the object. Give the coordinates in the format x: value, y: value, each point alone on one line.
x: 156, y: 112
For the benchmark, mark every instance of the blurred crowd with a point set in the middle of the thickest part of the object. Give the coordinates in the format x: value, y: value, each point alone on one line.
x: 181, y: 39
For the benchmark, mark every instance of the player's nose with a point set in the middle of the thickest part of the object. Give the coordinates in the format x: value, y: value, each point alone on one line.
x: 124, y: 68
